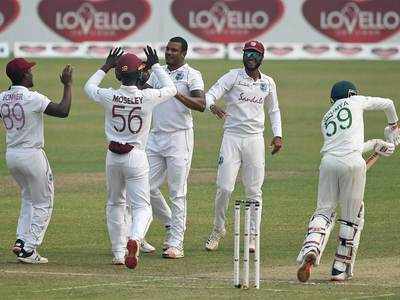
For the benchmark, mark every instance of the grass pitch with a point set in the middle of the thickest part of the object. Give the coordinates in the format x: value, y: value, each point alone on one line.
x: 77, y: 244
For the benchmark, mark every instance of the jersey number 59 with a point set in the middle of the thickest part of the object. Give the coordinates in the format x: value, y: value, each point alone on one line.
x: 344, y: 119
x: 127, y: 121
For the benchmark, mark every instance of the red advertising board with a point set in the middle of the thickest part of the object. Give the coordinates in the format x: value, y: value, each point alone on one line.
x: 9, y: 11
x: 227, y: 21
x: 357, y: 21
x: 94, y: 20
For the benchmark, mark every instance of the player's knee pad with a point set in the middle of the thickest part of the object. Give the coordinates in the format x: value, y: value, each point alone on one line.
x: 319, y: 229
x: 347, y: 241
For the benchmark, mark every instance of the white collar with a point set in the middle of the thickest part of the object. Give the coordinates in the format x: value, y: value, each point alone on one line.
x: 179, y: 69
x: 129, y: 88
x: 19, y: 87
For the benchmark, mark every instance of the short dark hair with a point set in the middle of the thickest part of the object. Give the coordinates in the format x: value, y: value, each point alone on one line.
x: 180, y: 40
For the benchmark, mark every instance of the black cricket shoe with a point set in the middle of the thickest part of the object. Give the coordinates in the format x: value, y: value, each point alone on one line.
x: 31, y: 257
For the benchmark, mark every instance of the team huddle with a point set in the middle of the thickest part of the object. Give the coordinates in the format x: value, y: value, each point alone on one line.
x: 149, y: 131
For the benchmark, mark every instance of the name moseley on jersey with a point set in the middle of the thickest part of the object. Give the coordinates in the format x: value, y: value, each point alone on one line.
x: 127, y: 100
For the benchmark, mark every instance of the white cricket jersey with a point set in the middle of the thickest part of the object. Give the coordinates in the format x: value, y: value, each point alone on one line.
x: 343, y: 125
x: 172, y: 115
x: 128, y: 110
x: 22, y: 113
x: 245, y: 99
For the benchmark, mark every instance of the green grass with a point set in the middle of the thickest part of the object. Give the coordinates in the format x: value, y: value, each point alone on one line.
x: 77, y: 243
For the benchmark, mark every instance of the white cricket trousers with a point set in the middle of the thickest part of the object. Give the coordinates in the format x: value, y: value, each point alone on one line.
x: 341, y: 180
x: 31, y: 170
x: 247, y: 152
x: 127, y: 181
x: 170, y: 156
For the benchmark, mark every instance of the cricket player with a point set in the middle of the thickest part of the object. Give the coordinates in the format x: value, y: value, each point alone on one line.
x: 170, y: 145
x: 21, y: 111
x: 246, y: 92
x: 342, y: 175
x: 128, y: 112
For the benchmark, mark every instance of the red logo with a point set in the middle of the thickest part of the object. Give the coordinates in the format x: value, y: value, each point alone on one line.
x: 348, y: 50
x: 65, y: 49
x: 357, y: 21
x: 385, y: 52
x: 226, y: 21
x: 316, y: 50
x: 9, y: 11
x: 205, y: 50
x: 99, y: 50
x: 32, y: 49
x: 280, y: 51
x: 94, y: 20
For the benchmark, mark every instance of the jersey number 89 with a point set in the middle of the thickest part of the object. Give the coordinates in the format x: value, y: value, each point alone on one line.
x: 13, y: 116
x: 344, y: 120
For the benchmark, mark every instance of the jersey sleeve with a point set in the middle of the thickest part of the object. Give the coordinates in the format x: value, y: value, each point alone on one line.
x: 167, y: 89
x: 222, y: 86
x: 152, y: 81
x: 93, y: 90
x: 273, y: 110
x: 195, y: 81
x: 377, y: 103
x: 39, y: 102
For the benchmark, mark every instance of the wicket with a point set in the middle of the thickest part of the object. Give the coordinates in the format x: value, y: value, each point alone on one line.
x: 246, y: 251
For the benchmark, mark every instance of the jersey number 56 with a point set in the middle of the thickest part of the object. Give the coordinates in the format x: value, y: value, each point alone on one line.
x: 127, y: 121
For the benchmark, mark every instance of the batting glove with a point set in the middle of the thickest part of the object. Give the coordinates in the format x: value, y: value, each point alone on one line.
x: 392, y: 134
x: 384, y: 148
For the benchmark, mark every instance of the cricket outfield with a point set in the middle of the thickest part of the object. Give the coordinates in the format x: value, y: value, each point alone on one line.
x: 77, y: 243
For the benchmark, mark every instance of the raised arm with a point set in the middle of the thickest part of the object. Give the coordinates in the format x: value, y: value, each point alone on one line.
x: 168, y: 89
x: 61, y: 110
x: 91, y: 87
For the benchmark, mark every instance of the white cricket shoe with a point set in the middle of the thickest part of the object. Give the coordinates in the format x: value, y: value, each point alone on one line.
x: 174, y: 253
x: 304, y: 271
x: 214, y: 238
x: 118, y: 261
x: 145, y: 247
x: 339, y: 272
x: 132, y: 258
x: 31, y: 257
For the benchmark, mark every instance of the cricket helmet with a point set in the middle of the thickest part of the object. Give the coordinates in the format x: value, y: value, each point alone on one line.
x: 343, y: 89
